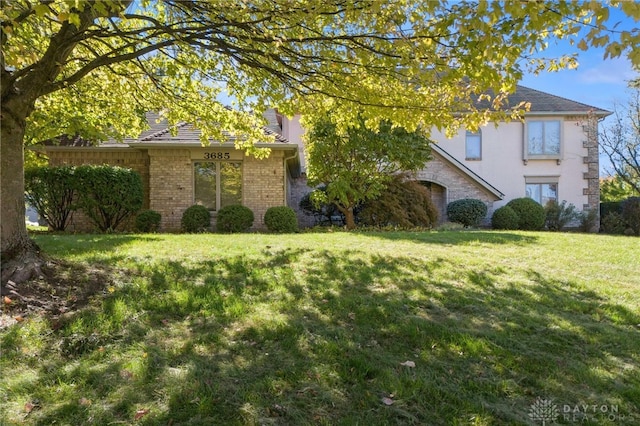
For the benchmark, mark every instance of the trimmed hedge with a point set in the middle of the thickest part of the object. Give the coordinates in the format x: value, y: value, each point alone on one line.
x: 530, y: 213
x: 50, y: 190
x: 468, y: 211
x: 148, y: 221
x: 234, y: 218
x: 196, y: 218
x: 281, y: 219
x: 505, y: 218
x: 107, y: 195
x: 631, y: 214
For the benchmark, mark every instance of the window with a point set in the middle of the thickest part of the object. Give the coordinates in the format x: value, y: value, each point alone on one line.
x: 542, y: 192
x: 473, y: 146
x: 217, y: 184
x: 543, y: 139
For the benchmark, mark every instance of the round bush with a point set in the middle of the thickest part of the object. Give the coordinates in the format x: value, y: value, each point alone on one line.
x: 281, y: 219
x: 505, y: 218
x: 531, y: 214
x: 468, y: 211
x: 148, y: 221
x: 196, y: 219
x: 235, y: 218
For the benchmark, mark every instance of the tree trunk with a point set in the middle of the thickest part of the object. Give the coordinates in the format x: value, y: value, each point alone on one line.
x: 349, y: 217
x: 20, y: 256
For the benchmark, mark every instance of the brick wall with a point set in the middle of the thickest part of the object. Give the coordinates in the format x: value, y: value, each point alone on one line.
x: 263, y: 185
x: 457, y: 186
x: 170, y: 185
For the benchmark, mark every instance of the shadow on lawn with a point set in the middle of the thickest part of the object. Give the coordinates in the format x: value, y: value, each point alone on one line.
x: 277, y: 340
x: 457, y: 237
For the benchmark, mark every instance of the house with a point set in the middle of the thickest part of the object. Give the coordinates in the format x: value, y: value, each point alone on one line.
x: 551, y: 155
x: 177, y: 171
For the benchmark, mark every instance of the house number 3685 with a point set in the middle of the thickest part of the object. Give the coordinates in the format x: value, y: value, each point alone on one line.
x: 217, y: 155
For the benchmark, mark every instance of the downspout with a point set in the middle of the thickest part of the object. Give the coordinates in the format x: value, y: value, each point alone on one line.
x: 284, y: 175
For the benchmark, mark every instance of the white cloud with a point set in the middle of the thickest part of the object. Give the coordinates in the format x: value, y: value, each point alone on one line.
x: 614, y: 71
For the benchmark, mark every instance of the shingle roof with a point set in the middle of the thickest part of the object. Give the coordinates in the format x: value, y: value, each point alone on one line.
x: 185, y: 133
x: 66, y: 140
x: 542, y: 102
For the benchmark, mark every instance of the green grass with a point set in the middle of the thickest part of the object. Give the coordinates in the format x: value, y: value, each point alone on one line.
x: 314, y: 328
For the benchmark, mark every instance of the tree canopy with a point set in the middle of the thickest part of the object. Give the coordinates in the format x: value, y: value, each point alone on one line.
x: 93, y: 67
x: 355, y: 164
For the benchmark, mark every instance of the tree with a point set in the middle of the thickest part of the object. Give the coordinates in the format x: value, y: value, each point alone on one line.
x: 613, y: 188
x: 621, y: 144
x: 357, y: 163
x: 94, y: 67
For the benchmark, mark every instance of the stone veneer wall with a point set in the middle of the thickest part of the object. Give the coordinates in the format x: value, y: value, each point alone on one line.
x: 457, y: 185
x: 135, y: 160
x: 592, y: 175
x: 298, y: 188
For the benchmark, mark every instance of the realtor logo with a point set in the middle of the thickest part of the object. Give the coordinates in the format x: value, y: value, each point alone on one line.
x: 544, y: 410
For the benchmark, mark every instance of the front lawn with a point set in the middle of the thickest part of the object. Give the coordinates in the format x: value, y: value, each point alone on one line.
x: 472, y: 327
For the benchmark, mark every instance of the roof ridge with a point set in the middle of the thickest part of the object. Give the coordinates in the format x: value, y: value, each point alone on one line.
x: 164, y: 131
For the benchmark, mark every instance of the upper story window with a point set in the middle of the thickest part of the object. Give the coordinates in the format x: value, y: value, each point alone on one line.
x: 543, y: 139
x: 473, y: 150
x: 217, y: 184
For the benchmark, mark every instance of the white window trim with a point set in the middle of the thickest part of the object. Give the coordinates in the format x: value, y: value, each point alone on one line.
x: 526, y: 156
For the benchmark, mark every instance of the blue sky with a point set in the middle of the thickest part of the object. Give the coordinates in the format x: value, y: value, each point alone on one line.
x: 596, y: 81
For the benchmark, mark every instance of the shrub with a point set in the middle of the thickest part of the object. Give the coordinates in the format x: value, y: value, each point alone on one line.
x: 148, y: 221
x: 234, y: 218
x: 613, y: 223
x: 610, y: 206
x: 588, y: 220
x: 468, y: 212
x: 558, y: 216
x: 530, y: 213
x: 281, y: 219
x: 631, y: 214
x: 196, y: 218
x: 108, y: 195
x: 505, y: 218
x: 50, y: 190
x: 405, y: 203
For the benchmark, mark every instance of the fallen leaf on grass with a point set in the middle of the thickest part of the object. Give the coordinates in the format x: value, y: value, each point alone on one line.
x: 84, y: 402
x: 141, y: 413
x: 387, y: 401
x: 6, y: 300
x: 409, y: 364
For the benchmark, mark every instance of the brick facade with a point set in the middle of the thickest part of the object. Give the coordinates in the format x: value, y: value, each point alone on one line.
x: 451, y: 185
x: 168, y: 180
